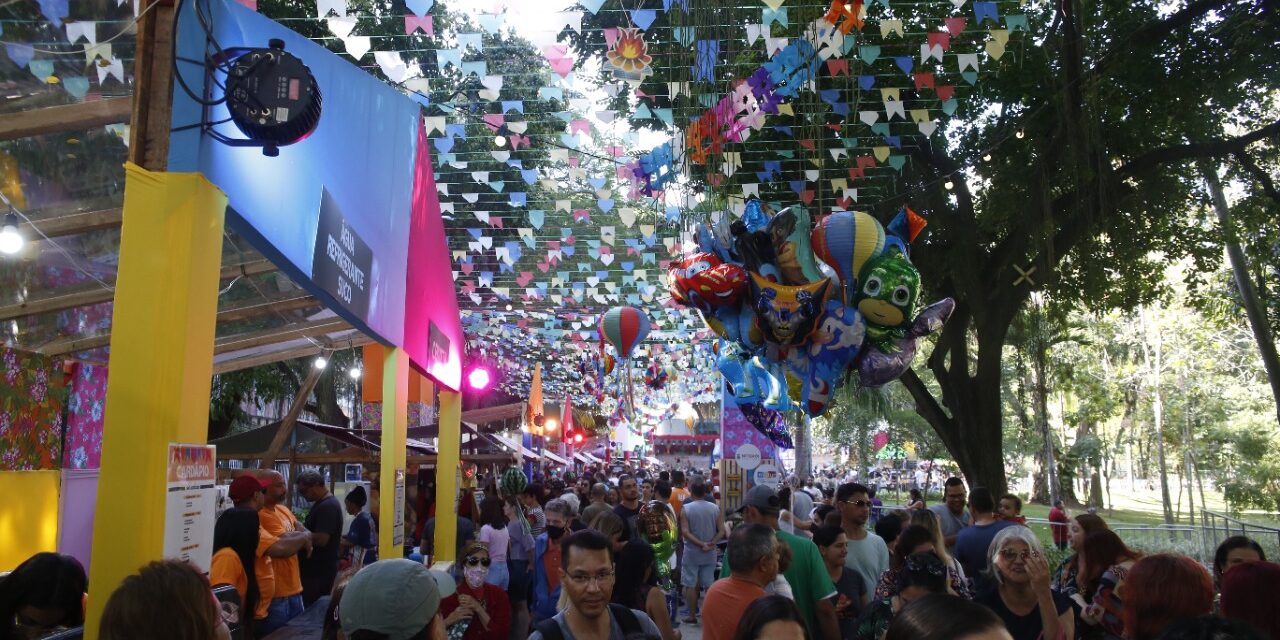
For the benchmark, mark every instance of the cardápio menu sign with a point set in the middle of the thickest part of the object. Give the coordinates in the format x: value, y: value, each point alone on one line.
x: 342, y: 261
x: 191, y: 503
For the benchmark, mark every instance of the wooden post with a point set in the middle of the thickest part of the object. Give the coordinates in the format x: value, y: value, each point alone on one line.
x: 447, y: 456
x: 163, y: 322
x: 391, y: 474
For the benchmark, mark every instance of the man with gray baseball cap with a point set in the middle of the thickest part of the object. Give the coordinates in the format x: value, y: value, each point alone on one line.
x: 394, y: 600
x: 807, y: 575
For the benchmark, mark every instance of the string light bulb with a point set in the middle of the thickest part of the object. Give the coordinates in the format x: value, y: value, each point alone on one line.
x: 1020, y: 134
x: 11, y: 241
x: 354, y: 373
x: 320, y: 362
x: 948, y: 185
x: 986, y: 157
x: 499, y: 141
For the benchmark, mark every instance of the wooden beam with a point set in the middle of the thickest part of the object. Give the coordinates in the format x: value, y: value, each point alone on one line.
x: 290, y: 418
x: 413, y: 460
x: 226, y: 344
x: 60, y: 300
x: 153, y: 88
x: 257, y: 308
x: 280, y: 334
x: 71, y: 117
x: 83, y: 296
x: 259, y: 359
x: 72, y: 223
x: 248, y: 268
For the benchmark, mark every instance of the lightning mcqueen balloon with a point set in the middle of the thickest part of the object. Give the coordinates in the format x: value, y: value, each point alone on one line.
x: 705, y: 282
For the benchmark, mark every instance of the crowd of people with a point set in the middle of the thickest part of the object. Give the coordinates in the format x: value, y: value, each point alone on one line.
x: 581, y: 559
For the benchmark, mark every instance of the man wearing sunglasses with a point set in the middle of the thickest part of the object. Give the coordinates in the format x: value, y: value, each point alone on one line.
x: 868, y: 553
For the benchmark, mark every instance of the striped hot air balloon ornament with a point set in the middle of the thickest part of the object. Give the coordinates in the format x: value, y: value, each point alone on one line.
x: 624, y: 328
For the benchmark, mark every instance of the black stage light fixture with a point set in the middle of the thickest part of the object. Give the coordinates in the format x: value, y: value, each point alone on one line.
x: 272, y: 96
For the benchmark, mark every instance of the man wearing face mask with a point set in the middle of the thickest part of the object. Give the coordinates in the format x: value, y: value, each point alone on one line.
x: 546, y: 561
x: 477, y: 611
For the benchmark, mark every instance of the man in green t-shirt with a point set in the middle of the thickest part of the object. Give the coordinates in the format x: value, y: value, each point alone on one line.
x: 810, y: 584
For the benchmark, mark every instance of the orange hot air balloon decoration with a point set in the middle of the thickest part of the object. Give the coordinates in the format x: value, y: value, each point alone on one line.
x: 629, y: 52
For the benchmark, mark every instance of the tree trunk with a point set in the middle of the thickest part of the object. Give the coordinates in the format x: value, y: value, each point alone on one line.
x: 1199, y: 481
x: 326, y: 407
x: 1248, y: 294
x: 1154, y: 358
x: 971, y: 427
x: 1041, y: 354
x: 804, y: 448
x: 1039, y: 479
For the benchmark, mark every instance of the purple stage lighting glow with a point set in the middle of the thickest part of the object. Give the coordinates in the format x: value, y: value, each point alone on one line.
x: 479, y: 378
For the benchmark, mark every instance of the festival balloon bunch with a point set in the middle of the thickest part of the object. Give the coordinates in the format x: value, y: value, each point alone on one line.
x: 801, y: 311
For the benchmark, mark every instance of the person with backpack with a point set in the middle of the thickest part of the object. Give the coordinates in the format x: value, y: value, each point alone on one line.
x: 587, y: 577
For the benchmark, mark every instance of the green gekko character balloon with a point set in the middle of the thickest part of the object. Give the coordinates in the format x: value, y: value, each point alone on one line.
x: 887, y: 299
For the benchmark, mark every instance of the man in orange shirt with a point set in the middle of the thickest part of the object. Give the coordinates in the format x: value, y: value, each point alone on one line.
x: 279, y: 522
x: 679, y: 494
x: 753, y: 563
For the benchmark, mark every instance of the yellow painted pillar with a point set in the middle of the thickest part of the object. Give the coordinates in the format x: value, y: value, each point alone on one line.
x: 391, y: 475
x: 162, y: 330
x: 447, y: 453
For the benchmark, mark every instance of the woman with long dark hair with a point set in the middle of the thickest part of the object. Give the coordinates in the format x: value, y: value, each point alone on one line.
x: 1104, y: 564
x: 1066, y: 578
x: 235, y: 554
x: 946, y: 617
x: 636, y: 585
x: 772, y: 618
x: 916, y: 501
x: 1233, y: 551
x: 45, y: 593
x: 496, y: 538
x: 918, y: 539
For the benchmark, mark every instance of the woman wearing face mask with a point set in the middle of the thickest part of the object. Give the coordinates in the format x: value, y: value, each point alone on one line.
x: 478, y: 611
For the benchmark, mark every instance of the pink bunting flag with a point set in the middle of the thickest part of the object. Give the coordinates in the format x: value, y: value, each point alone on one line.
x: 558, y: 57
x: 496, y: 222
x: 580, y: 125
x: 946, y: 91
x: 610, y: 37
x: 517, y: 140
x: 425, y: 23
x: 582, y: 215
x: 955, y: 25
x: 495, y: 120
x: 940, y: 39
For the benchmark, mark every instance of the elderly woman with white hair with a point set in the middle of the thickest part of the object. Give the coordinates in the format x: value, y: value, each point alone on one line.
x: 1022, y: 598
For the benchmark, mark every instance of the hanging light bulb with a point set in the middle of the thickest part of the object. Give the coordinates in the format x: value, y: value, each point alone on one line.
x: 499, y: 141
x: 354, y: 372
x: 948, y: 185
x: 1020, y: 134
x: 986, y: 157
x: 508, y: 307
x: 320, y: 362
x: 11, y: 241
